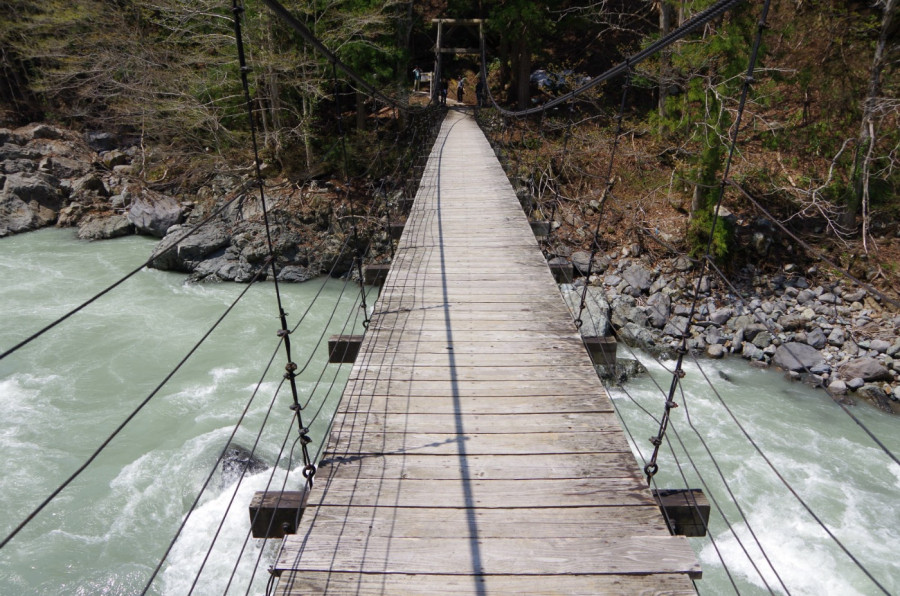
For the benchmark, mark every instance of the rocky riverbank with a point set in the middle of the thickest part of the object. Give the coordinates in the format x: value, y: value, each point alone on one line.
x: 826, y: 333
x: 92, y: 182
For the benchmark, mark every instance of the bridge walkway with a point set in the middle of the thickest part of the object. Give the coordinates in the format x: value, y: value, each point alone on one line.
x: 475, y: 451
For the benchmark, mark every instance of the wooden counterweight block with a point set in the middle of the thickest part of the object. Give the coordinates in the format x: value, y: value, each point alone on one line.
x: 686, y: 510
x: 374, y: 275
x: 563, y: 273
x: 601, y: 349
x: 396, y: 230
x: 274, y: 514
x: 541, y: 229
x: 344, y: 348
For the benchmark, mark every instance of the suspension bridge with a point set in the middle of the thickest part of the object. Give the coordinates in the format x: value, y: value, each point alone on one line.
x: 475, y: 450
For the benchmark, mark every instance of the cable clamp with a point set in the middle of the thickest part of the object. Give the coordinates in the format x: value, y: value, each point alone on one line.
x: 680, y: 373
x: 305, y: 440
x: 237, y: 9
x: 309, y: 471
x: 246, y: 69
x: 749, y: 79
x: 655, y: 441
x: 670, y: 405
x: 290, y: 367
x: 295, y: 407
x: 282, y: 333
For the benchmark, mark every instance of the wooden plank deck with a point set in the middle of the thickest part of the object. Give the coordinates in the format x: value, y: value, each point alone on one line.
x: 475, y: 451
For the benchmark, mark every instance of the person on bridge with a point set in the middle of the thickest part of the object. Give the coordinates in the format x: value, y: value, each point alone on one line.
x: 460, y: 89
x: 445, y: 86
x: 417, y: 77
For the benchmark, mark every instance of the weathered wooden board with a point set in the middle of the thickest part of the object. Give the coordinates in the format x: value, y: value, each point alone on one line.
x: 483, y: 424
x: 504, y: 369
x: 483, y: 467
x: 548, y: 522
x: 509, y: 404
x: 317, y: 582
x: 343, y: 441
x: 501, y: 556
x: 452, y: 389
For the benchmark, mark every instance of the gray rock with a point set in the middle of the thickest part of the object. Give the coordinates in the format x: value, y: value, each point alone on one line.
x: 612, y: 280
x: 856, y: 296
x: 104, y: 228
x: 238, y: 461
x: 805, y: 296
x: 837, y: 337
x: 876, y: 396
x: 762, y: 340
x: 895, y: 395
x: 154, y: 213
x: 203, y: 243
x: 856, y: 383
x: 721, y: 315
x: 715, y: 351
x: 658, y: 307
x: 683, y: 264
x: 751, y: 352
x: 828, y: 298
x: 636, y: 335
x: 638, y: 277
x: 28, y: 202
x: 714, y: 335
x: 868, y: 369
x: 637, y: 316
x: 879, y: 345
x: 676, y: 326
x: 581, y: 260
x: 794, y: 356
x: 837, y: 387
x: 295, y: 274
x: 791, y: 322
x: 895, y: 347
x: 816, y: 338
x: 596, y: 314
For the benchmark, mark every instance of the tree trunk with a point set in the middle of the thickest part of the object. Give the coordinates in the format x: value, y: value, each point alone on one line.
x: 522, y: 72
x: 665, y: 25
x: 867, y: 138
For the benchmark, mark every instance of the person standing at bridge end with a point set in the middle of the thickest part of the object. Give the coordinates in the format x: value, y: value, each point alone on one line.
x: 460, y: 89
x: 417, y: 78
x: 445, y: 86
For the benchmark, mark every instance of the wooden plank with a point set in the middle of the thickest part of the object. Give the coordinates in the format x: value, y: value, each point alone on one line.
x: 483, y: 467
x: 505, y: 369
x: 638, y: 555
x: 535, y: 388
x: 477, y: 423
x: 343, y: 441
x: 448, y: 357
x: 514, y: 404
x: 418, y: 522
x: 317, y: 582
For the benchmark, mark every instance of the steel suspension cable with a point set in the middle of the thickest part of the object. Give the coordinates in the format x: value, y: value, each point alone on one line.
x: 290, y: 368
x: 128, y: 419
x: 595, y: 243
x: 122, y: 280
x: 651, y: 468
x: 689, y: 26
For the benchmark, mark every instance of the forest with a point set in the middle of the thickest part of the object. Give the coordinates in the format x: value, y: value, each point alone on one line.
x: 818, y: 145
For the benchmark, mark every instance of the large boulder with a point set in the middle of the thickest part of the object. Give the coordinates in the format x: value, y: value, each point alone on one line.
x: 153, y: 213
x: 191, y: 250
x: 28, y: 202
x: 635, y: 335
x: 658, y: 307
x: 638, y: 277
x: 595, y: 317
x: 238, y: 461
x: 867, y: 369
x: 104, y: 228
x: 876, y: 396
x: 796, y: 356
